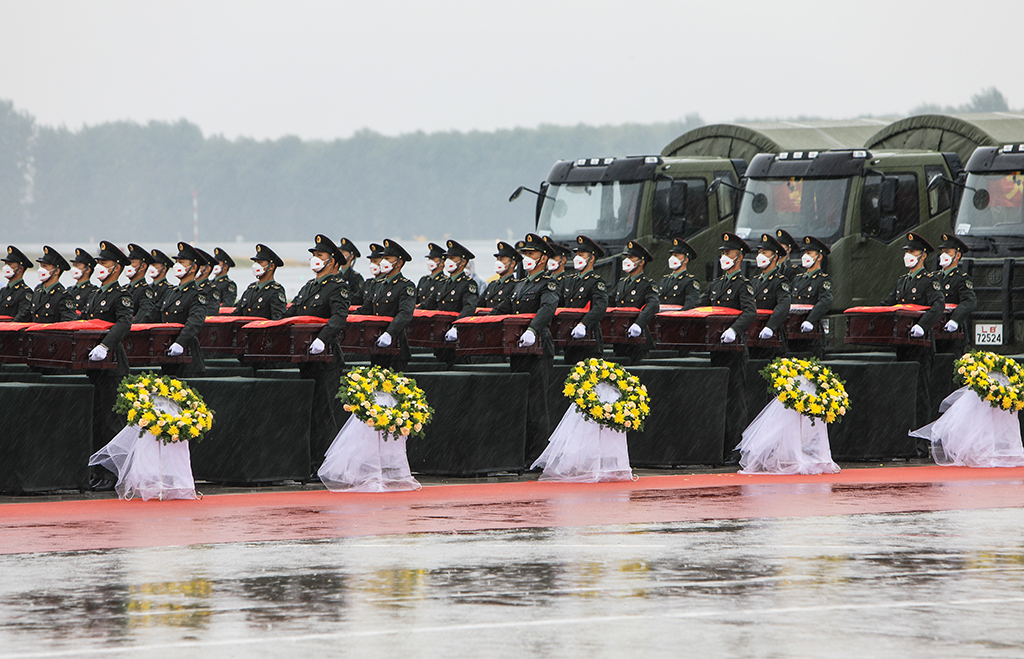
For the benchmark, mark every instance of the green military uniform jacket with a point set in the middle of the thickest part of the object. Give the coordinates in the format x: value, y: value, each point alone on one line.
x: 537, y: 295
x: 144, y: 300
x: 212, y: 296
x: 16, y: 300
x: 588, y: 288
x: 323, y: 297
x: 499, y: 290
x: 682, y: 289
x: 919, y: 288
x: 771, y: 291
x: 369, y: 288
x: 81, y: 293
x: 52, y: 305
x: 186, y: 304
x: 455, y: 294
x: 790, y: 269
x: 733, y: 291
x: 354, y: 280
x: 816, y: 289
x: 264, y: 300
x: 429, y: 286
x: 394, y: 296
x: 227, y: 289
x: 958, y: 288
x: 112, y: 303
x: 638, y: 291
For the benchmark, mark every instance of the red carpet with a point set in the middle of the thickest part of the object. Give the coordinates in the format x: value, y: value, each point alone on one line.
x: 107, y: 524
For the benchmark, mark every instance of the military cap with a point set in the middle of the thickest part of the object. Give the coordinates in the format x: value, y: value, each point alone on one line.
x: 436, y: 251
x: 732, y: 241
x: 534, y: 243
x: 455, y: 249
x: 223, y: 257
x: 951, y: 241
x: 326, y: 245
x: 558, y: 248
x: 770, y: 243
x: 633, y: 248
x: 786, y: 239
x: 83, y: 257
x: 391, y: 248
x: 504, y: 249
x: 349, y: 247
x: 53, y: 257
x: 207, y: 258
x: 189, y: 253
x: 680, y: 246
x: 110, y: 252
x: 376, y: 251
x: 161, y: 258
x: 916, y: 241
x: 137, y: 252
x: 15, y: 255
x: 810, y: 242
x: 585, y: 244
x: 264, y: 253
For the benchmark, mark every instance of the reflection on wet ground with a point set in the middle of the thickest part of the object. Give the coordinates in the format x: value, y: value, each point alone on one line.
x: 937, y: 584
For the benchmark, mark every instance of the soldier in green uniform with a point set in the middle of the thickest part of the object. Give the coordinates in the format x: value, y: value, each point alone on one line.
x: 394, y: 296
x: 376, y: 276
x: 536, y: 293
x: 353, y: 279
x: 499, y: 289
x: 813, y: 287
x: 556, y: 267
x: 81, y: 271
x: 636, y: 289
x: 324, y: 296
x: 51, y: 302
x: 919, y: 287
x: 16, y: 296
x: 227, y: 289
x: 429, y: 284
x: 680, y: 287
x: 264, y: 297
x: 771, y: 291
x: 958, y: 289
x: 187, y: 304
x: 786, y: 265
x: 458, y: 292
x: 144, y: 298
x: 733, y: 290
x: 585, y: 290
x: 156, y: 274
x: 209, y: 289
x: 112, y: 303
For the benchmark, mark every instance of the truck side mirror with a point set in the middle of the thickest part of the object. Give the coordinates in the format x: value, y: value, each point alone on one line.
x: 936, y: 182
x: 887, y: 195
x: 713, y: 188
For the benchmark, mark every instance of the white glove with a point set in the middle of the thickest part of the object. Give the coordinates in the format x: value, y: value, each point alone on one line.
x: 98, y: 354
x: 951, y: 326
x: 806, y: 327
x: 634, y: 331
x: 916, y: 332
x: 175, y: 350
x: 766, y: 333
x: 728, y: 336
x: 579, y: 331
x: 384, y: 341
x: 316, y: 347
x: 527, y: 339
x: 452, y: 334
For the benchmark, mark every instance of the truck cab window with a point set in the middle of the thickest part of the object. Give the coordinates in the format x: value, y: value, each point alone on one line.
x: 889, y: 224
x: 680, y: 207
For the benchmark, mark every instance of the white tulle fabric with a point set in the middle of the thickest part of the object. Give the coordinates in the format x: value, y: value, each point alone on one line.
x: 972, y: 433
x: 582, y: 451
x: 145, y: 466
x: 783, y: 441
x: 361, y: 460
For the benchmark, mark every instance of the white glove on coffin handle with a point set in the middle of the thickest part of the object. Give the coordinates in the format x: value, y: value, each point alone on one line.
x: 316, y: 347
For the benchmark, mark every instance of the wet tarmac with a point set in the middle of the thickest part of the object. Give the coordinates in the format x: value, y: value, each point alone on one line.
x: 786, y: 568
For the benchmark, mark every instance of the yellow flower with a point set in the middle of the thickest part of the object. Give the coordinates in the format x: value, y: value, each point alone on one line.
x: 569, y: 390
x: 155, y: 431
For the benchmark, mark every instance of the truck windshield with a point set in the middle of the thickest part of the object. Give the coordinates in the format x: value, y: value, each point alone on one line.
x: 1003, y: 215
x: 602, y: 211
x: 801, y: 206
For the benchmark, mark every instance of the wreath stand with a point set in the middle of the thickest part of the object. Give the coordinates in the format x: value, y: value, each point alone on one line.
x: 362, y: 459
x: 145, y: 466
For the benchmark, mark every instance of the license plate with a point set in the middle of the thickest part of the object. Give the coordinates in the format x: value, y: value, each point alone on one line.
x: 988, y: 334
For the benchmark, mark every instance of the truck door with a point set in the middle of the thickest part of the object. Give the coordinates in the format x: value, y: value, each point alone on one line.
x: 888, y: 211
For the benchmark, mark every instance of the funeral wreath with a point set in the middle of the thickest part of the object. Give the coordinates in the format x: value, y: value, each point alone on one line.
x: 363, y: 392
x: 164, y: 407
x: 630, y: 408
x: 995, y: 378
x: 829, y: 400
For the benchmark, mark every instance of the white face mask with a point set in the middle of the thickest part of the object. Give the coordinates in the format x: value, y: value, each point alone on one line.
x: 76, y: 273
x: 152, y: 273
x: 101, y: 272
x: 8, y: 272
x: 374, y: 268
x: 258, y: 270
x: 945, y: 259
x: 553, y: 265
x: 499, y: 267
x: 579, y: 262
x: 44, y: 274
x: 529, y: 264
x: 216, y: 270
x: 129, y: 271
x: 726, y: 262
x: 179, y: 270
x: 763, y: 261
x: 431, y: 265
x: 450, y: 266
x: 909, y: 260
x: 807, y: 260
x: 674, y: 263
x: 628, y: 265
x: 386, y: 266
x: 316, y: 265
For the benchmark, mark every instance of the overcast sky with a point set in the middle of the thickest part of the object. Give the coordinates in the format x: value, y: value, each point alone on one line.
x: 324, y: 70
